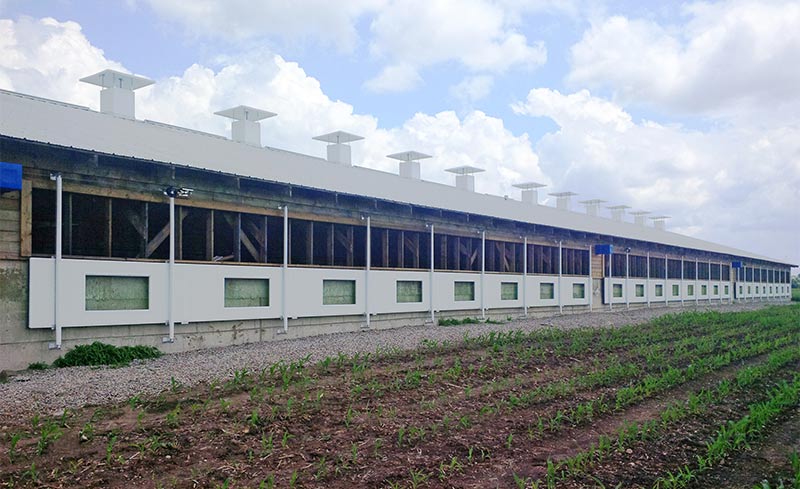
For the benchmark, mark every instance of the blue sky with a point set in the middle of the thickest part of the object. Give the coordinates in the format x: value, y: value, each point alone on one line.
x: 682, y: 108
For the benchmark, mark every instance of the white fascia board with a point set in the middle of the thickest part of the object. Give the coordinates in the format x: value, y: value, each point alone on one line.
x: 46, y: 121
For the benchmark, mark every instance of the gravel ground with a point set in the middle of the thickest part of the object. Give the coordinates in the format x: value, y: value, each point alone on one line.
x: 51, y: 391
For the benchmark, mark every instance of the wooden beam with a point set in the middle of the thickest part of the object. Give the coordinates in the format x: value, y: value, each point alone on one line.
x: 25, y: 218
x: 385, y: 247
x: 159, y: 238
x: 310, y: 242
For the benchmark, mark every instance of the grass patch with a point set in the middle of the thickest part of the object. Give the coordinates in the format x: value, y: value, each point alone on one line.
x: 38, y: 366
x: 459, y: 322
x: 103, y: 354
x: 796, y: 294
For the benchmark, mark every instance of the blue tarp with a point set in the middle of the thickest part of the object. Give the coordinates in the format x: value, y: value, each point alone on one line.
x: 603, y: 249
x: 10, y: 176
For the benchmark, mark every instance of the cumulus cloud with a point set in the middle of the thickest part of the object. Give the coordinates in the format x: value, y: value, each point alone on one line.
x: 727, y: 185
x: 472, y: 88
x: 316, y: 20
x: 420, y: 33
x: 725, y: 58
x: 268, y: 81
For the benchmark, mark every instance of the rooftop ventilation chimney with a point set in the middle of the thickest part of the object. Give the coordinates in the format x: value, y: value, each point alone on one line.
x: 409, y: 163
x: 563, y: 199
x: 245, y: 127
x: 591, y: 206
x: 530, y: 194
x: 338, y: 149
x: 639, y: 217
x: 618, y: 212
x: 117, y: 97
x: 464, y: 176
x: 659, y: 222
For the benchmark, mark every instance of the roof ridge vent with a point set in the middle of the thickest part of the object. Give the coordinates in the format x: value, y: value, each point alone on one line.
x: 409, y: 163
x: 592, y: 205
x: 116, y: 96
x: 338, y: 149
x: 639, y: 217
x: 563, y: 200
x: 659, y: 222
x: 465, y: 178
x: 618, y: 211
x: 530, y: 192
x: 245, y: 127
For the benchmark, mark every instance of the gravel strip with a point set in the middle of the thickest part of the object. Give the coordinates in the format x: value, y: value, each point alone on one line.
x: 51, y: 391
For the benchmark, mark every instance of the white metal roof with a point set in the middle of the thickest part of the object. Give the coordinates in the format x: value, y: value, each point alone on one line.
x: 46, y: 121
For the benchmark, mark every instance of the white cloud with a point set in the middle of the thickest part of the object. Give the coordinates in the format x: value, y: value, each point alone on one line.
x: 728, y: 57
x: 472, y: 88
x: 395, y: 78
x: 267, y: 81
x: 317, y: 20
x: 729, y: 185
x: 45, y: 57
x: 477, y: 34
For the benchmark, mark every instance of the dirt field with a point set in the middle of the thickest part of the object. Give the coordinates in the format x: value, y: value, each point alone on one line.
x: 691, y: 400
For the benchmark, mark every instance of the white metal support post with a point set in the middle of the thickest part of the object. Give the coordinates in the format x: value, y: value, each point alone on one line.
x: 171, y: 275
x: 366, y: 271
x: 647, y: 280
x: 627, y: 278
x: 285, y: 267
x: 525, y: 275
x: 708, y: 287
x: 430, y: 280
x: 696, y: 283
x: 57, y: 262
x: 560, y: 302
x: 483, y: 272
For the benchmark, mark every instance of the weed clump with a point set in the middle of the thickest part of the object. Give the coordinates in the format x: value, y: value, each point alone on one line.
x: 38, y: 366
x: 103, y: 354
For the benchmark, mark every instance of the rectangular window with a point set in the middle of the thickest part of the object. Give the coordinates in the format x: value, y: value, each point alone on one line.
x: 756, y: 289
x: 690, y: 290
x: 617, y: 290
x: 409, y: 291
x: 675, y: 290
x: 246, y: 292
x: 338, y: 292
x: 115, y: 293
x: 639, y: 290
x: 659, y: 290
x: 509, y: 291
x: 703, y: 290
x: 464, y: 291
x: 749, y: 289
x: 716, y: 290
x: 578, y: 291
x: 547, y: 290
x: 726, y: 289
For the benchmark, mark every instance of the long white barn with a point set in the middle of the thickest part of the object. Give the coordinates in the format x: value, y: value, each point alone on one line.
x: 137, y: 232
